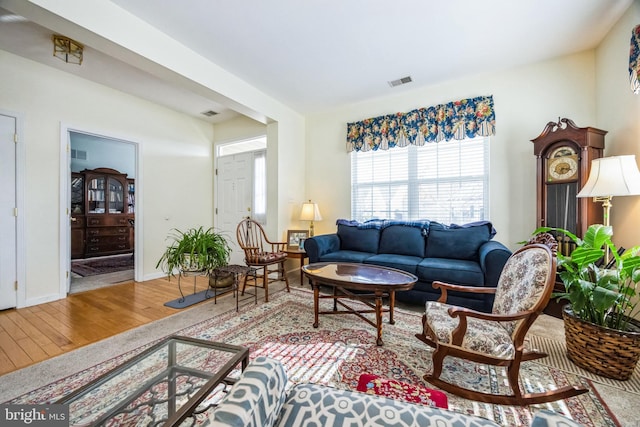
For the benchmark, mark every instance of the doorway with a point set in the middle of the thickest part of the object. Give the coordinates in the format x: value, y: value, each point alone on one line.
x: 241, y: 187
x: 102, y: 206
x: 8, y: 209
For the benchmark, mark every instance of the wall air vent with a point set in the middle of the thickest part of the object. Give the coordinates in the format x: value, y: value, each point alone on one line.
x: 78, y: 154
x: 209, y: 113
x: 402, y: 81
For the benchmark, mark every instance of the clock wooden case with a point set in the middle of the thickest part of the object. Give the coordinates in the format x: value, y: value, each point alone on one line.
x: 564, y: 153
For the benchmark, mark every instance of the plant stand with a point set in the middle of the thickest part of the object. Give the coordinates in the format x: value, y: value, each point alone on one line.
x: 602, y: 351
x: 189, y: 273
x: 236, y: 271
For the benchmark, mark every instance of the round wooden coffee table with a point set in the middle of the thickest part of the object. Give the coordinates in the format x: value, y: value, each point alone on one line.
x: 362, y: 282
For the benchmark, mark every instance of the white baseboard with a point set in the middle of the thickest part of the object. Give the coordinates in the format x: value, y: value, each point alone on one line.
x: 41, y: 300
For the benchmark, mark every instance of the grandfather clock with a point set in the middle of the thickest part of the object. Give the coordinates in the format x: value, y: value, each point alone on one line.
x: 564, y: 153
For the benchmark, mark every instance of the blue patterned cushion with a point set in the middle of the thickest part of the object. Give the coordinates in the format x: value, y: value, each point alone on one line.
x: 317, y: 405
x: 256, y: 399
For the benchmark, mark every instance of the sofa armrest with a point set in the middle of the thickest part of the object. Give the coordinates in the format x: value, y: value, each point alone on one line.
x: 255, y: 399
x: 317, y: 246
x: 493, y: 257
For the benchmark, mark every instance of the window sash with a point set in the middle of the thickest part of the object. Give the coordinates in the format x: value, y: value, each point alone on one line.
x: 446, y: 182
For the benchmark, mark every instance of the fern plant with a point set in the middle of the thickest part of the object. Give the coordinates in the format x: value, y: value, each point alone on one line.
x: 195, y: 249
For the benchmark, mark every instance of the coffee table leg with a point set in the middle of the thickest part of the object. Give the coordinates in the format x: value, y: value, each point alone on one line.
x: 378, y: 298
x: 316, y: 306
x: 392, y: 304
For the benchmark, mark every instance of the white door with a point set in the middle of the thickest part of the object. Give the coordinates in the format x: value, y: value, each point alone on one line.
x: 8, y: 220
x: 234, y: 197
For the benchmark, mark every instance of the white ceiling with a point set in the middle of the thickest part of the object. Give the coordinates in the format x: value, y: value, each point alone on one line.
x: 317, y: 54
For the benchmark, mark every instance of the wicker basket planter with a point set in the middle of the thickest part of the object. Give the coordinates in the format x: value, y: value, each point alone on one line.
x: 607, y: 352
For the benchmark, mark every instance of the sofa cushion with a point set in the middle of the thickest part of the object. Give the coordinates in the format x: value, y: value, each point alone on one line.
x: 319, y: 405
x: 402, y: 240
x: 255, y: 400
x: 455, y: 271
x: 353, y: 238
x: 345, y: 256
x: 401, y: 262
x: 457, y: 242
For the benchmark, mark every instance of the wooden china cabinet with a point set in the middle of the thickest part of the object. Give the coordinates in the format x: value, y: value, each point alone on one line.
x: 102, y: 213
x: 563, y: 154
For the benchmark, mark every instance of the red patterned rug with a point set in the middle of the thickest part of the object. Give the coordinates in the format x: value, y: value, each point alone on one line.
x: 343, y: 348
x: 92, y: 267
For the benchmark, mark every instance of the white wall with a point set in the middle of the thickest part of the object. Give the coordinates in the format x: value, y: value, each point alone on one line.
x: 619, y: 113
x: 237, y: 129
x: 526, y: 99
x: 175, y: 151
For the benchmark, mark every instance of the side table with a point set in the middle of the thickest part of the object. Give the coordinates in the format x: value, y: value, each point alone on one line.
x: 238, y: 271
x: 297, y: 253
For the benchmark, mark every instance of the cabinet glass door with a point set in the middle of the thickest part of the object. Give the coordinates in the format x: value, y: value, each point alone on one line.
x: 77, y: 194
x: 116, y: 196
x: 96, y: 195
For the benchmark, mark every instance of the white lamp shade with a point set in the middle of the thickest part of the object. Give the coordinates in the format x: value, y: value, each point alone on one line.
x: 612, y: 176
x: 310, y: 212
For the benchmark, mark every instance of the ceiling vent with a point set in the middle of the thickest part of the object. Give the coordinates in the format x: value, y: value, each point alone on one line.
x: 209, y: 113
x: 402, y: 81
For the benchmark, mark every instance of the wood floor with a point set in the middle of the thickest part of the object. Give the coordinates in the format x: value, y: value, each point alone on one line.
x: 32, y: 334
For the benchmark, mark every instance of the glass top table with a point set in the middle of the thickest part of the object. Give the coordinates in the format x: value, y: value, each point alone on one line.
x: 163, y: 385
x: 362, y: 282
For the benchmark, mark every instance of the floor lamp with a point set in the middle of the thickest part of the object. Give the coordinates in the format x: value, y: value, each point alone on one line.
x: 611, y: 176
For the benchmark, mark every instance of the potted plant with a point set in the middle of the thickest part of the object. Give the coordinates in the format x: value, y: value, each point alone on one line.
x: 601, y: 331
x: 196, y: 250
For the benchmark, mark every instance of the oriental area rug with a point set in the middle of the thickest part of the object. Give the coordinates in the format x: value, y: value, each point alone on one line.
x: 92, y: 267
x: 344, y: 347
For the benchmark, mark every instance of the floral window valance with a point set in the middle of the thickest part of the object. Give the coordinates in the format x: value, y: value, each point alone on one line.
x: 634, y: 60
x: 462, y: 119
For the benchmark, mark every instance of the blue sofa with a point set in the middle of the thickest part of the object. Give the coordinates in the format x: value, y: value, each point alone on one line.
x: 459, y: 254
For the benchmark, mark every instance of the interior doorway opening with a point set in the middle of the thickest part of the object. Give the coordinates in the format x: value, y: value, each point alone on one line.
x: 102, y: 211
x: 241, y: 188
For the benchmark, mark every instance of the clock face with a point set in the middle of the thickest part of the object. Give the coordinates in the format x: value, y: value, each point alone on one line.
x: 562, y: 165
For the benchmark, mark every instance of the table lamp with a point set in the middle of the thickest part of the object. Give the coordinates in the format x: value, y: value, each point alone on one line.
x: 310, y: 212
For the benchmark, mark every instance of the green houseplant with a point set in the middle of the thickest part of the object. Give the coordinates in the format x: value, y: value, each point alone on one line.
x: 602, y: 302
x: 193, y: 250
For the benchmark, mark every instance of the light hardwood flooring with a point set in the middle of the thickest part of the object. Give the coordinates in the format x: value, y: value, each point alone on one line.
x: 33, y: 334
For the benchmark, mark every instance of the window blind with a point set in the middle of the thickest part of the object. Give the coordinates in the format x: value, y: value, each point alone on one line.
x: 446, y: 182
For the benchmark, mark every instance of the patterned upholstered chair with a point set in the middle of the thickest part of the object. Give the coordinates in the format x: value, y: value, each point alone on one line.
x: 261, y: 253
x: 523, y: 291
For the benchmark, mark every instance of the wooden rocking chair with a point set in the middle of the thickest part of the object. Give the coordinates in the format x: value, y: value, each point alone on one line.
x: 261, y: 253
x: 523, y: 291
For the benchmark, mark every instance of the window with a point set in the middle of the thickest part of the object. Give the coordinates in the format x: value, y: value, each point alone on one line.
x: 446, y: 182
x: 260, y: 186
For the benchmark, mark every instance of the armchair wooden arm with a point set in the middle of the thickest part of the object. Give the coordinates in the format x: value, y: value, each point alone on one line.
x: 444, y: 287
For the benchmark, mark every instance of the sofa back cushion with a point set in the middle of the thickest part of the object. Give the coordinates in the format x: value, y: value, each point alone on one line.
x: 402, y: 240
x: 353, y: 238
x: 256, y: 399
x: 457, y: 242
